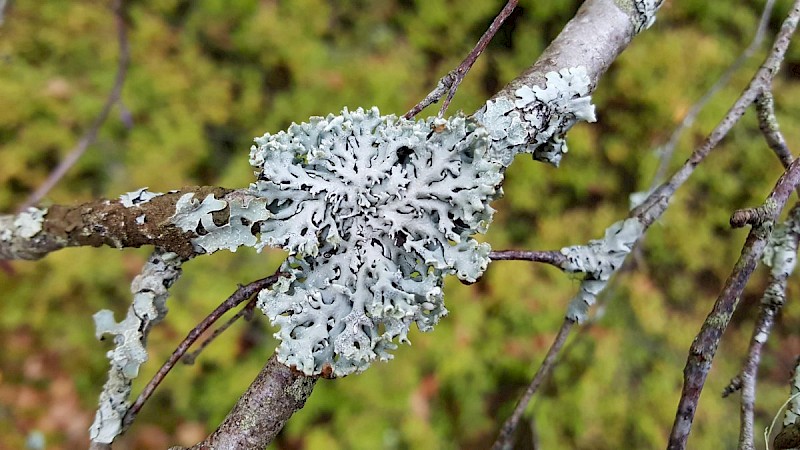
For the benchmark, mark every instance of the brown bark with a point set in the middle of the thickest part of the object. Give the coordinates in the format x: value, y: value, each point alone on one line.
x: 263, y: 410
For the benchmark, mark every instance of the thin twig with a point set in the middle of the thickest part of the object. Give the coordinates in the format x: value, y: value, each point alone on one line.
x: 448, y: 84
x: 704, y: 346
x: 242, y: 293
x: 90, y: 135
x: 506, y: 437
x: 666, y: 151
x: 552, y: 257
x: 655, y: 204
x: 246, y: 311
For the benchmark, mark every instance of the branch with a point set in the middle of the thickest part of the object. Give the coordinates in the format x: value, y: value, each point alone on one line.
x: 688, y: 120
x: 768, y: 123
x: 262, y: 411
x: 704, y: 346
x: 242, y: 294
x: 552, y: 257
x: 505, y: 439
x: 449, y: 83
x: 780, y: 254
x: 136, y: 219
x: 90, y: 135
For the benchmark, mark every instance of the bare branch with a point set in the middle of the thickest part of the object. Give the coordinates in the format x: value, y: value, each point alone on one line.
x: 262, y: 411
x: 448, y: 84
x: 668, y: 149
x: 505, y: 439
x: 704, y: 346
x: 246, y: 311
x: 552, y: 257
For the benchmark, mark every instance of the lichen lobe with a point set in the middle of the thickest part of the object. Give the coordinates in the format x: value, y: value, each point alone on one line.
x: 536, y: 120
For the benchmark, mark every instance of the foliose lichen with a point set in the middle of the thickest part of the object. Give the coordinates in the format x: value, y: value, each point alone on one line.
x: 599, y: 260
x: 150, y: 291
x: 780, y: 254
x: 221, y: 224
x: 137, y: 197
x: 26, y: 224
x: 644, y: 13
x: 374, y: 211
x: 536, y: 121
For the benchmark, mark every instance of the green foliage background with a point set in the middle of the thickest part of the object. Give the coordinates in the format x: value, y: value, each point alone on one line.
x: 207, y: 76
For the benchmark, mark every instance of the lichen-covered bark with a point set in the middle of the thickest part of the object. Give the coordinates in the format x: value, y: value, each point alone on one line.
x: 534, y: 111
x: 104, y: 222
x: 598, y: 33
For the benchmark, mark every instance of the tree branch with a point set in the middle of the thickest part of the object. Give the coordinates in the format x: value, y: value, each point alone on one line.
x: 115, y: 223
x: 668, y: 149
x: 552, y: 257
x: 262, y: 411
x: 242, y: 294
x: 704, y: 346
x: 505, y: 439
x: 449, y: 83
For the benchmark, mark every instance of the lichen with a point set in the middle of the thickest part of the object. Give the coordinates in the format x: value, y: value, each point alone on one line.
x: 27, y: 224
x: 599, y: 260
x: 221, y: 224
x: 644, y: 14
x: 536, y: 121
x: 137, y: 197
x: 792, y: 413
x: 780, y: 254
x: 150, y: 291
x: 374, y: 211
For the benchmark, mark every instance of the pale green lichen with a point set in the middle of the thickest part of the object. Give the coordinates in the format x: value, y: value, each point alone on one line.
x: 536, y: 121
x: 137, y: 197
x: 244, y: 212
x: 150, y: 291
x: 374, y: 211
x: 599, y: 260
x: 792, y: 413
x: 28, y: 223
x: 780, y: 254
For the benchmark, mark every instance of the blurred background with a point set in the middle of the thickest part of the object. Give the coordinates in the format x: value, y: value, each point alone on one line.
x: 206, y: 77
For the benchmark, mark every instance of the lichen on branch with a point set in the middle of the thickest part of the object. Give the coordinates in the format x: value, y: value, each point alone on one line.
x: 374, y: 211
x: 537, y: 119
x: 150, y: 292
